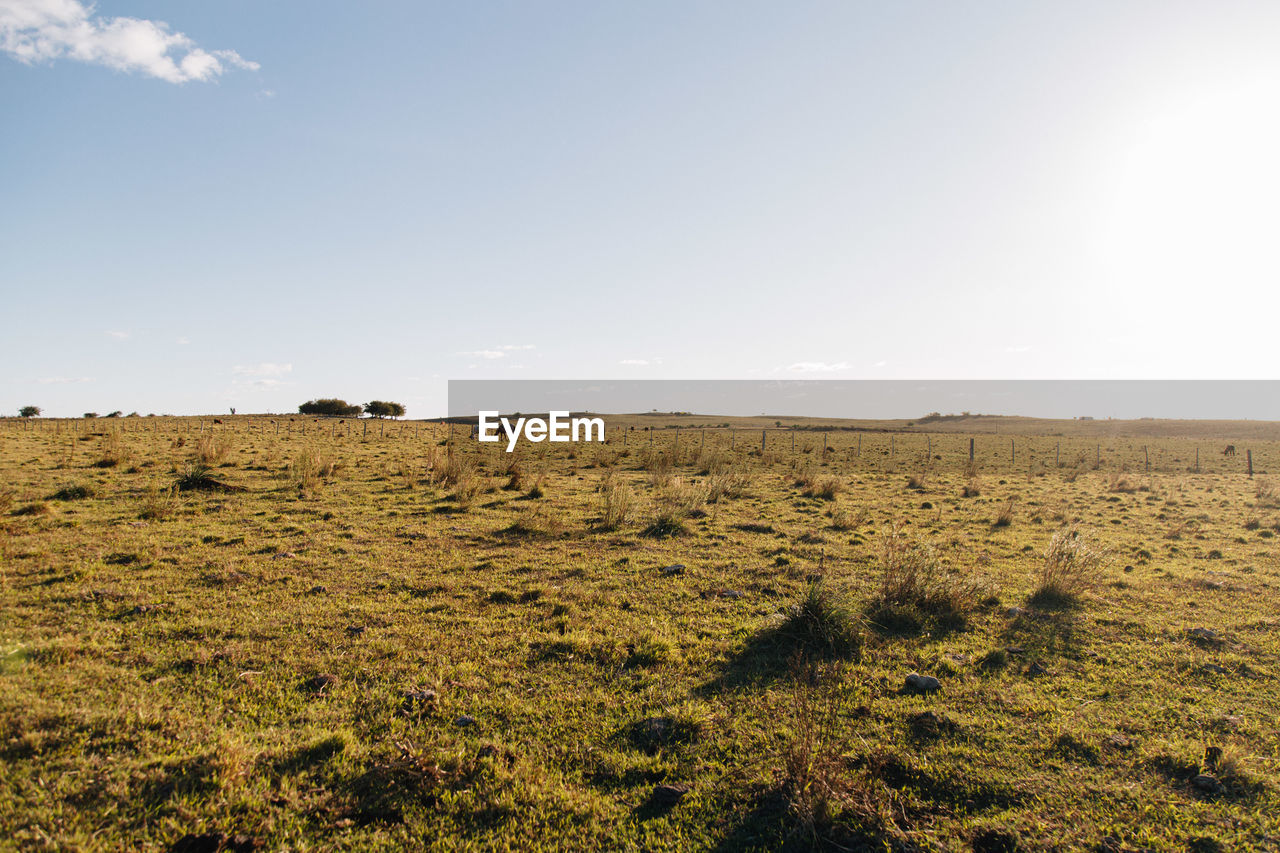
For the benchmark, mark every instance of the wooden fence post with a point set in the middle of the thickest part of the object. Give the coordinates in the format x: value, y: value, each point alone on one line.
x: 1197, y: 460
x: 1248, y: 455
x: 763, y: 433
x: 971, y: 450
x: 1146, y: 458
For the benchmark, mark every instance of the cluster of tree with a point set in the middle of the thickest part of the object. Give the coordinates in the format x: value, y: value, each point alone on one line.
x: 336, y: 408
x: 29, y: 412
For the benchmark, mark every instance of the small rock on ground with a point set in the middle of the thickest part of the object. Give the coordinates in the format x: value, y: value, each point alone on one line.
x: 917, y: 683
x: 668, y: 795
x: 1207, y: 783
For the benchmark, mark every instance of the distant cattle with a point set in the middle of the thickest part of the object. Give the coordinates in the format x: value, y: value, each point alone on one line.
x: 1230, y: 450
x: 217, y: 421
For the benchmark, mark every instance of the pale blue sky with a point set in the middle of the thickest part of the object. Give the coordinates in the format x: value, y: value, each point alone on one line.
x: 365, y: 200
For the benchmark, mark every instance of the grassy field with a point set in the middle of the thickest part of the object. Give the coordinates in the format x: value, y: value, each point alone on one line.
x: 312, y: 635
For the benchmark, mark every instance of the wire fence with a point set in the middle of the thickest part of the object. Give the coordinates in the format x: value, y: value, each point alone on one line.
x: 885, y: 450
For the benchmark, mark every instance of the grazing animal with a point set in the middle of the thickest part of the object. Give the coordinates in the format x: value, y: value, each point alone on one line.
x: 217, y: 421
x: 1230, y: 450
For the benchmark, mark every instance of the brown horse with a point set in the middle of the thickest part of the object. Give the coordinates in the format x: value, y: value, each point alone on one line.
x: 1230, y: 450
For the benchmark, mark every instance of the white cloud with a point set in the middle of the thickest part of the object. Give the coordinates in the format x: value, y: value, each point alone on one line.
x: 265, y: 368
x: 818, y: 366
x: 119, y: 336
x: 484, y: 353
x: 64, y: 380
x: 182, y: 341
x: 510, y: 347
x: 635, y: 362
x: 34, y: 31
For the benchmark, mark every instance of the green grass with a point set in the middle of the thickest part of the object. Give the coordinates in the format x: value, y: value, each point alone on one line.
x: 251, y: 659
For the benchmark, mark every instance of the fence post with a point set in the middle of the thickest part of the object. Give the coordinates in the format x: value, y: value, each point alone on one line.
x: 763, y: 433
x: 971, y: 450
x: 1013, y: 451
x: 1197, y: 460
x: 1057, y: 452
x: 859, y: 444
x: 1248, y: 455
x: 1098, y: 458
x: 1146, y: 458
x: 824, y: 444
x: 733, y: 437
x: 675, y: 445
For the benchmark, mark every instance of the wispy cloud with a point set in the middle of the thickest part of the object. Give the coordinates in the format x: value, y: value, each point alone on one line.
x: 33, y: 31
x: 118, y: 335
x: 497, y: 352
x: 269, y: 369
x: 635, y: 362
x: 182, y: 341
x: 818, y: 366
x: 63, y: 380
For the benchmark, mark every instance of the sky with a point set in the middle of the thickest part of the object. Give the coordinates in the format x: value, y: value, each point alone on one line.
x: 246, y: 204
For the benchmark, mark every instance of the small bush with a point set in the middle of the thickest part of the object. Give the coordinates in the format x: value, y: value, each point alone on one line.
x: 825, y: 488
x: 73, y: 492
x: 113, y: 452
x: 843, y: 518
x: 822, y: 622
x: 1005, y: 518
x: 1072, y: 565
x: 158, y: 503
x: 538, y: 522
x: 198, y: 477
x: 31, y: 509
x: 211, y: 450
x: 617, y: 505
x: 915, y: 587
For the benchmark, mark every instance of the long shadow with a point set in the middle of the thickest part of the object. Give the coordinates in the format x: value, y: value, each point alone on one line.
x: 768, y: 656
x: 1045, y: 633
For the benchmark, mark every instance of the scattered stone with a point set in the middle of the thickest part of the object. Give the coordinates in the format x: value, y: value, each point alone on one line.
x: 1203, y: 635
x: 1014, y: 612
x: 318, y: 685
x: 666, y: 796
x: 1207, y: 783
x: 735, y: 594
x: 676, y: 569
x: 465, y: 721
x: 318, y: 589
x: 930, y: 724
x: 420, y: 699
x: 1036, y: 670
x: 1119, y: 741
x: 917, y: 683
